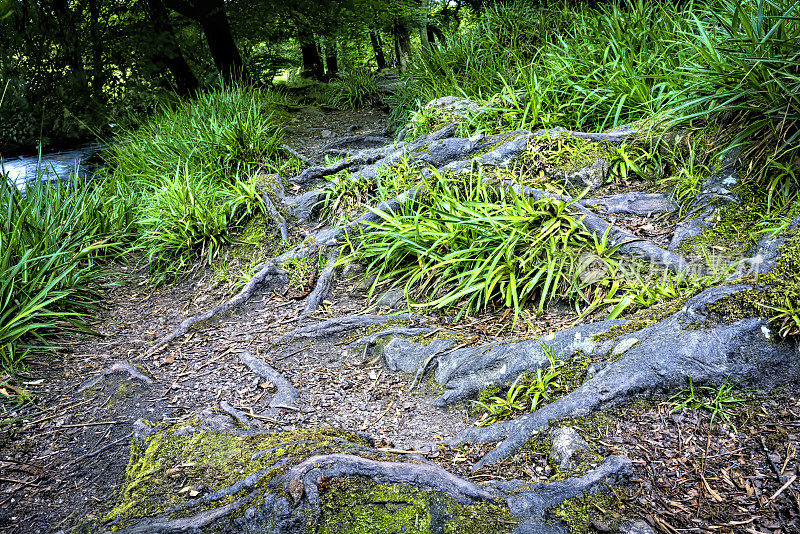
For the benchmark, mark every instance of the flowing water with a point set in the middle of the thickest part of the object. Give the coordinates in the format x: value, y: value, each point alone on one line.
x: 23, y: 170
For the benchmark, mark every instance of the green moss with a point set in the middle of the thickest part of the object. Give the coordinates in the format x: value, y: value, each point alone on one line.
x: 206, y: 461
x: 580, y: 512
x: 645, y: 317
x: 357, y: 505
x: 426, y: 339
x: 777, y: 290
x: 563, y: 153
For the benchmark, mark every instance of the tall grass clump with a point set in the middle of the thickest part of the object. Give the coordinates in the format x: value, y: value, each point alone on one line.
x: 675, y: 63
x: 186, y: 177
x: 746, y: 74
x: 53, y: 242
x: 356, y: 89
x: 471, y: 244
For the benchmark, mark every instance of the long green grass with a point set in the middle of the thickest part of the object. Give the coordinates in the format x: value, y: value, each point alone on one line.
x: 186, y: 177
x: 53, y: 243
x: 674, y: 63
x: 469, y: 244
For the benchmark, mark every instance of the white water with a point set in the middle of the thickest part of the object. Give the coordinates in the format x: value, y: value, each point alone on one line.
x: 48, y: 167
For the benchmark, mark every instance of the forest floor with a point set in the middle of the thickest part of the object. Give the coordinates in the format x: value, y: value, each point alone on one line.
x: 63, y: 456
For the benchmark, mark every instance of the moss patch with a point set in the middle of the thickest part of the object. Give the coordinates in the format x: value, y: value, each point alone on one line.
x: 580, y: 512
x: 169, y: 469
x: 564, y: 153
x: 357, y: 505
x: 775, y: 294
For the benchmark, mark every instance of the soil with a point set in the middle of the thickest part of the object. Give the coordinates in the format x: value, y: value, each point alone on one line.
x: 63, y: 454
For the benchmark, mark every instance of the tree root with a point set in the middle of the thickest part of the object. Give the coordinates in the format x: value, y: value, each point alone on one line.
x: 644, y: 204
x: 343, y: 324
x: 236, y: 414
x: 276, y: 215
x: 395, y: 331
x: 660, y: 357
x: 295, y: 153
x: 117, y: 368
x: 324, y: 283
x: 628, y: 243
x: 287, y: 394
x: 441, y: 151
x: 302, y: 479
x: 531, y: 501
x: 268, y: 272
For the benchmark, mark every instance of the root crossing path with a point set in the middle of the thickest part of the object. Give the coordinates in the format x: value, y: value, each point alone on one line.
x: 293, y: 409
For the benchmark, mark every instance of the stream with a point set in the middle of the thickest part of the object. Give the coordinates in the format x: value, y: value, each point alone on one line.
x: 53, y: 166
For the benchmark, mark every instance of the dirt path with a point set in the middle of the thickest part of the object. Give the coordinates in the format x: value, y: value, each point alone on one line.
x: 65, y: 455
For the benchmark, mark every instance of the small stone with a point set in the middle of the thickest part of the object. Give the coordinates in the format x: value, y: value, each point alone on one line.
x: 635, y: 527
x: 566, y: 442
x: 326, y: 133
x: 395, y: 300
x: 599, y: 526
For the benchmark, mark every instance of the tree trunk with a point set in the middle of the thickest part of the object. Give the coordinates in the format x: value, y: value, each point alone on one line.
x: 217, y: 30
x: 167, y: 52
x: 331, y: 58
x: 312, y: 63
x: 220, y: 41
x: 424, y: 36
x: 377, y: 49
x: 402, y: 45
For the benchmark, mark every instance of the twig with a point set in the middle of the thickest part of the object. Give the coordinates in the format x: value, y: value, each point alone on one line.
x: 98, y: 423
x: 98, y: 451
x: 391, y: 404
x: 782, y: 488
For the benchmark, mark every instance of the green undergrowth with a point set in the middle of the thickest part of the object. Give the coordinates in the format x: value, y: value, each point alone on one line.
x: 360, y: 506
x: 187, y: 177
x: 251, y: 246
x: 532, y: 390
x: 468, y: 244
x: 355, y: 89
x: 54, y: 246
x: 543, y: 65
x: 349, y: 197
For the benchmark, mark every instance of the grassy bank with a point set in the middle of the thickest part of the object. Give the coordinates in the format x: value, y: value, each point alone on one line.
x: 674, y: 63
x: 173, y: 190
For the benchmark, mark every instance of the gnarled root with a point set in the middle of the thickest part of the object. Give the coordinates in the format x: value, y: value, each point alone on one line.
x: 660, y: 357
x: 302, y: 479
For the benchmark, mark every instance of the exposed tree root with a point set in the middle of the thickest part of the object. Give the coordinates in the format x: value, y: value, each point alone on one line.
x: 343, y: 324
x: 287, y: 394
x: 302, y: 479
x: 233, y: 412
x: 295, y: 153
x: 645, y: 204
x: 628, y: 243
x: 660, y: 357
x: 531, y: 501
x: 324, y: 283
x: 268, y: 272
x: 395, y: 331
x: 439, y: 150
x: 117, y: 368
x: 715, y: 194
x: 276, y: 215
x: 286, y: 497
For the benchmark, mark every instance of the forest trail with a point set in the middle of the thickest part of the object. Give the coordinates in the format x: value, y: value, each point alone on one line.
x: 67, y: 460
